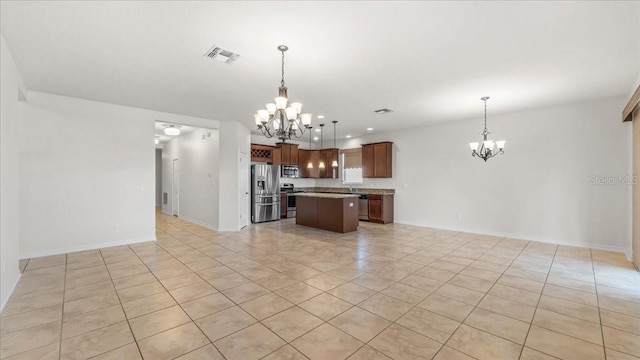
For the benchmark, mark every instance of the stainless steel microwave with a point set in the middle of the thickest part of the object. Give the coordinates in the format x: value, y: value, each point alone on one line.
x: 289, y: 171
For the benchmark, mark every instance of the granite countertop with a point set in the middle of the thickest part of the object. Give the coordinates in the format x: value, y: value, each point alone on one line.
x: 345, y: 190
x: 326, y: 195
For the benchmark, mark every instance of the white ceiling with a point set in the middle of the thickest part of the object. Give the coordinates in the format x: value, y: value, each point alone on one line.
x: 427, y: 61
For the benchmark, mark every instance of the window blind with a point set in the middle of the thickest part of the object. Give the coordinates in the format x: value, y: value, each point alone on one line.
x: 352, y: 158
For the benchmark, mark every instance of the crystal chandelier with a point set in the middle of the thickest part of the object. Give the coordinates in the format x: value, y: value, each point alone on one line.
x: 486, y: 148
x: 282, y: 119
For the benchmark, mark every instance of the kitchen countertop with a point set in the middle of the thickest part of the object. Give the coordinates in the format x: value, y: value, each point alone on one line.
x: 325, y: 195
x: 345, y: 190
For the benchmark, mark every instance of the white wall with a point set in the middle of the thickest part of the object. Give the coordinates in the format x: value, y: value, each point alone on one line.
x: 158, y: 177
x: 538, y: 190
x: 234, y: 138
x: 170, y: 151
x: 9, y: 173
x: 87, y: 174
x: 198, y: 161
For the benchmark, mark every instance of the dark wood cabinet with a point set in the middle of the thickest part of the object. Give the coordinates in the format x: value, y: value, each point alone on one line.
x: 288, y: 154
x: 261, y: 153
x: 276, y: 156
x: 367, y: 161
x: 303, y: 160
x: 381, y: 208
x: 328, y: 156
x: 376, y: 160
x: 283, y: 205
x: 314, y: 158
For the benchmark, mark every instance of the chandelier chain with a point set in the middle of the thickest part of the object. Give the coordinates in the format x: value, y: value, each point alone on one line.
x: 282, y: 79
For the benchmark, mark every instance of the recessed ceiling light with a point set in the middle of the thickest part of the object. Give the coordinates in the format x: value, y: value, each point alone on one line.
x: 348, y: 136
x: 320, y: 116
x: 315, y: 138
x: 382, y: 111
x: 318, y: 130
x: 369, y: 129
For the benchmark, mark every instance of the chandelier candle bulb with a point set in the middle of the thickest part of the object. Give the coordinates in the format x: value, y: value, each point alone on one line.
x: 297, y: 106
x: 291, y: 113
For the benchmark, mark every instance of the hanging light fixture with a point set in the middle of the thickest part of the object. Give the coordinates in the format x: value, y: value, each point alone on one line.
x: 282, y: 119
x: 321, y: 164
x: 310, y: 164
x: 335, y: 162
x: 486, y: 151
x: 171, y: 130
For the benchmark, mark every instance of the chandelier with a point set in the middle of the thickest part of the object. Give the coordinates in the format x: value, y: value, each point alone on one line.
x: 486, y: 150
x: 282, y: 119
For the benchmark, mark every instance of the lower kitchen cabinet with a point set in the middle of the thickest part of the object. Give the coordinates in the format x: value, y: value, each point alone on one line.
x: 381, y: 208
x: 283, y: 206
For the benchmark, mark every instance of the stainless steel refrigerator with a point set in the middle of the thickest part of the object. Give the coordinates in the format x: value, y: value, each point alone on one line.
x: 265, y: 193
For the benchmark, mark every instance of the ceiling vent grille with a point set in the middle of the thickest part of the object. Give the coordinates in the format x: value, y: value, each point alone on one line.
x: 221, y: 55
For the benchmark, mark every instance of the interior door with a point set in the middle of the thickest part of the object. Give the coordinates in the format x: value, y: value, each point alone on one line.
x: 175, y: 186
x: 244, y: 189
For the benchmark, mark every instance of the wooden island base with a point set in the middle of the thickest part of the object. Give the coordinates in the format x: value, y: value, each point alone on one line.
x: 333, y: 212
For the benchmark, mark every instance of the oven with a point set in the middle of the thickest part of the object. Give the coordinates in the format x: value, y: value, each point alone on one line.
x: 291, y: 199
x: 291, y: 205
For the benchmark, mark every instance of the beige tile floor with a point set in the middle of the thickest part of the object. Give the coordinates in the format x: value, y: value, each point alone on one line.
x: 279, y: 291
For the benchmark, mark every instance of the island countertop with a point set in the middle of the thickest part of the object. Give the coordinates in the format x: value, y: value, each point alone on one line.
x: 326, y: 195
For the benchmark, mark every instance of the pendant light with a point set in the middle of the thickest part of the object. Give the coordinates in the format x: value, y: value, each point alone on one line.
x: 321, y: 164
x: 335, y: 162
x: 485, y: 150
x: 282, y: 119
x: 310, y: 164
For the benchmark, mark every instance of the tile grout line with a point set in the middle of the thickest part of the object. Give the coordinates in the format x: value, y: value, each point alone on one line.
x: 64, y: 290
x: 121, y: 307
x: 595, y: 285
x: 485, y: 294
x: 538, y: 304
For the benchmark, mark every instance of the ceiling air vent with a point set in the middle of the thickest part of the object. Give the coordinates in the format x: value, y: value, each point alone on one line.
x: 221, y: 55
x: 382, y: 111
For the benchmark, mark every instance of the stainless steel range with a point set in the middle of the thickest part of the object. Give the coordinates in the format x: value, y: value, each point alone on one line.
x: 289, y: 189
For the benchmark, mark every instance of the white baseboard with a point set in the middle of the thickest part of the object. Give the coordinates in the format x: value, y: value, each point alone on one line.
x: 13, y: 287
x: 619, y: 249
x: 58, y: 251
x: 195, y: 221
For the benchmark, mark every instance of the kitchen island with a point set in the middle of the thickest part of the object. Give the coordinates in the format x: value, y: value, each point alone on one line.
x: 333, y: 212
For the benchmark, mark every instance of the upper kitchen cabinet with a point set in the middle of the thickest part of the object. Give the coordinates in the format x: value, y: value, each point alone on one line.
x: 261, y: 153
x: 314, y: 159
x: 276, y: 156
x: 328, y: 156
x: 303, y: 160
x: 288, y: 153
x: 376, y: 160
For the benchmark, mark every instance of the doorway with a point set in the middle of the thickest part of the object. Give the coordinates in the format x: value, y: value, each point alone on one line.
x: 175, y: 189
